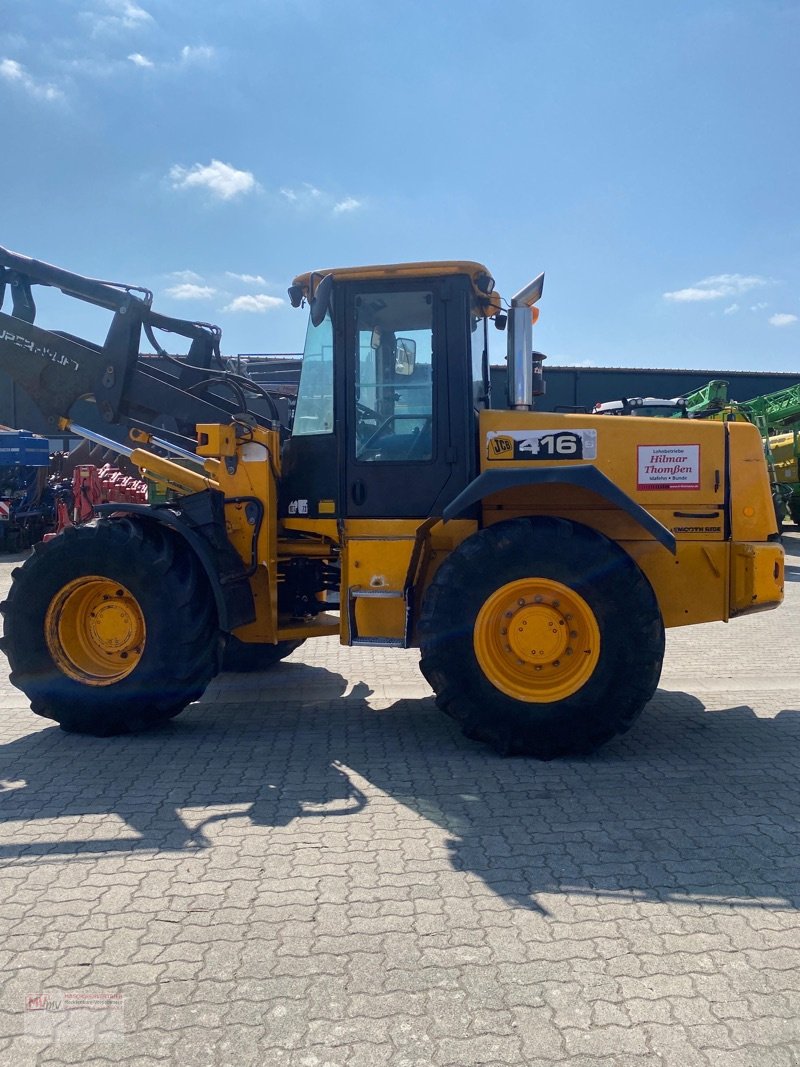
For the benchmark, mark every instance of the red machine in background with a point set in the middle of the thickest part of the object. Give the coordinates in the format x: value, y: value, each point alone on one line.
x: 92, y: 485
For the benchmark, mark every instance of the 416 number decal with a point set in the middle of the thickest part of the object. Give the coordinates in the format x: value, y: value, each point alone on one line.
x: 544, y: 445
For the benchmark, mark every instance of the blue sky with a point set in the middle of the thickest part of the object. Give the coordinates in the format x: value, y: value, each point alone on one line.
x: 644, y: 155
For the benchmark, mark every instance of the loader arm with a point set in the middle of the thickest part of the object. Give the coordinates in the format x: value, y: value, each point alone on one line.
x: 57, y: 369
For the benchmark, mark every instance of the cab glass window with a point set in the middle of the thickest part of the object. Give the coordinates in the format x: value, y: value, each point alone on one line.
x: 480, y: 361
x: 394, y: 377
x: 314, y: 411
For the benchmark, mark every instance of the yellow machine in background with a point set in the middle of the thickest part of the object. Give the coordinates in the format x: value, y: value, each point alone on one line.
x: 534, y: 558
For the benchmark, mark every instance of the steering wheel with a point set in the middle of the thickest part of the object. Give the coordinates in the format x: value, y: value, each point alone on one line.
x: 380, y: 431
x: 364, y: 416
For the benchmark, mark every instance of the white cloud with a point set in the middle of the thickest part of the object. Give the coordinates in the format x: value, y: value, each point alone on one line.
x: 348, y: 204
x: 200, y: 53
x: 731, y: 309
x: 686, y: 296
x: 760, y: 306
x: 190, y: 291
x: 247, y: 279
x: 187, y: 276
x: 782, y: 319
x: 14, y: 72
x: 221, y: 179
x: 190, y: 55
x: 259, y: 302
x: 308, y: 196
x: 716, y: 287
x: 129, y: 13
x: 304, y: 195
x: 117, y: 15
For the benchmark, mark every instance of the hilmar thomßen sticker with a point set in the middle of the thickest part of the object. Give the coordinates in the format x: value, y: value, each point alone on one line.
x: 668, y: 467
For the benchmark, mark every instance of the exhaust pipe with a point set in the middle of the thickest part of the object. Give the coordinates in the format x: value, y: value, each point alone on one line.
x: 520, y: 346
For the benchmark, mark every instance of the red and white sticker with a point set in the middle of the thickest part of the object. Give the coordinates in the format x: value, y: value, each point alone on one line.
x: 5, y: 511
x: 668, y: 467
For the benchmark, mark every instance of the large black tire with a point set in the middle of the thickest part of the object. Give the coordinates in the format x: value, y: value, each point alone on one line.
x: 620, y: 599
x: 242, y: 657
x: 180, y: 652
x: 794, y: 509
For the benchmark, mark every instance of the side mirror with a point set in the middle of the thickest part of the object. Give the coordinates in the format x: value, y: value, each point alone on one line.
x: 320, y: 302
x: 405, y: 356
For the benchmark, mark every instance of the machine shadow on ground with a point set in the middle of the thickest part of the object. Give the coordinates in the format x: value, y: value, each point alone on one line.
x: 691, y: 804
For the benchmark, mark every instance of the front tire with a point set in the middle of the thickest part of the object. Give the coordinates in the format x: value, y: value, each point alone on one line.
x: 111, y: 628
x: 541, y: 637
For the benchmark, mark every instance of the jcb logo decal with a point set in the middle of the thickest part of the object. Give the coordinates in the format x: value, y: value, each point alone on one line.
x: 500, y: 447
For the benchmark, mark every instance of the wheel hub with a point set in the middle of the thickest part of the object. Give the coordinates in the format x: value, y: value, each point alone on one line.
x: 538, y: 633
x: 95, y: 630
x: 112, y: 626
x: 537, y: 640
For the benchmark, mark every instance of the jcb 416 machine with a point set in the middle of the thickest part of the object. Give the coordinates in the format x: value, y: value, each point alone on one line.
x: 534, y: 558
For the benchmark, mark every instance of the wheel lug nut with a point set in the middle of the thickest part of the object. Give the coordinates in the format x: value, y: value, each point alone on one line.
x: 568, y: 652
x: 573, y: 633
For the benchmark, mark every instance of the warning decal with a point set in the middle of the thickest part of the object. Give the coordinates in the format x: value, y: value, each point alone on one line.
x: 669, y: 467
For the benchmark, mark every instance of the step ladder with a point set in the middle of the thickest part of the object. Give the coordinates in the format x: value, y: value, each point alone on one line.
x: 359, y: 592
x: 416, y: 564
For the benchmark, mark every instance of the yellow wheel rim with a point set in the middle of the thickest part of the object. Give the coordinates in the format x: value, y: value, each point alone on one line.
x: 95, y: 630
x: 537, y: 640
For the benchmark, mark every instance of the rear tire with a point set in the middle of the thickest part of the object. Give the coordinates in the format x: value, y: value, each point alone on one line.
x: 579, y: 600
x: 51, y: 635
x: 242, y: 657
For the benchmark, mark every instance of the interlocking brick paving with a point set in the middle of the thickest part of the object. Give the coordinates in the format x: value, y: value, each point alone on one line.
x: 312, y: 867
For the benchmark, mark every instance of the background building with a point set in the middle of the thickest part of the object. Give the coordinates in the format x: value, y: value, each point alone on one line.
x: 568, y: 388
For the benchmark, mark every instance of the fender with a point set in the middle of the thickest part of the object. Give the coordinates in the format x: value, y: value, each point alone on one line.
x: 583, y: 477
x: 221, y: 563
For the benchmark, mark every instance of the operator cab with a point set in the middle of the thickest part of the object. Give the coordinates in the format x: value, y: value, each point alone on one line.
x: 394, y: 364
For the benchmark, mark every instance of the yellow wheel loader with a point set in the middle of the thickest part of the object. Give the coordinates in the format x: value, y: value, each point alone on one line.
x: 534, y: 558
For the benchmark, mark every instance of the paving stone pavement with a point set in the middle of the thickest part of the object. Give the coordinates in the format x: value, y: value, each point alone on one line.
x: 312, y: 868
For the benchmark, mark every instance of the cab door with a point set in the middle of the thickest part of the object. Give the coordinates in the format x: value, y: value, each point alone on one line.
x: 400, y: 457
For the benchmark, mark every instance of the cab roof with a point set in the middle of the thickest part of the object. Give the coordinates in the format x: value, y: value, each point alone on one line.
x: 479, y: 275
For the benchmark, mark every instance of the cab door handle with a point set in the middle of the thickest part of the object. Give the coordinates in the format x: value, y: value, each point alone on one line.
x: 358, y: 491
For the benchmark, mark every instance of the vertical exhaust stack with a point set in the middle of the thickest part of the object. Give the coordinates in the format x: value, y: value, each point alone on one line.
x: 520, y: 345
